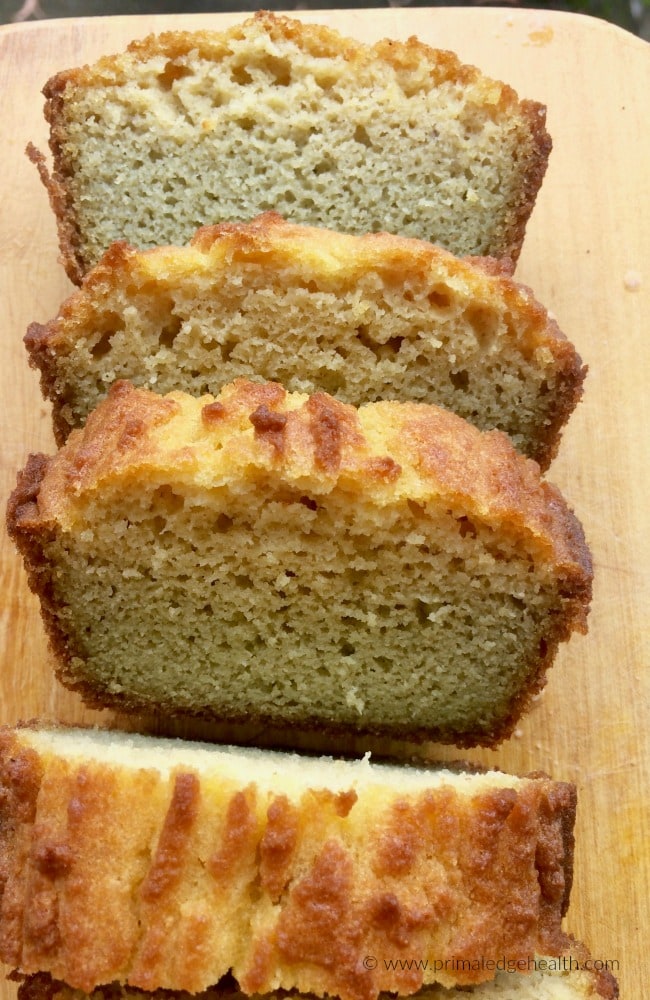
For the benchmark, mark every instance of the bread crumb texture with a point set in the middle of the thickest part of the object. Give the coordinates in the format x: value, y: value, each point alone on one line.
x: 361, y: 317
x: 187, y: 128
x: 288, y: 558
x: 286, y: 874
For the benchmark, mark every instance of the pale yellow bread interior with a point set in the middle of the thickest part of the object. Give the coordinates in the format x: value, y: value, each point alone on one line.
x: 194, y: 128
x: 272, y: 556
x: 363, y: 318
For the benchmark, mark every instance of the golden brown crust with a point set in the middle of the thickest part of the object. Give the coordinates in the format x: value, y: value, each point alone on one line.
x: 306, y: 891
x: 167, y: 868
x: 537, y: 161
x: 278, y: 845
x: 20, y: 777
x: 325, y: 442
x: 274, y: 244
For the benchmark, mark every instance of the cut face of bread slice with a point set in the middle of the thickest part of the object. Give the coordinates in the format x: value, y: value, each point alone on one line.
x: 363, y: 318
x: 569, y: 977
x: 188, y: 129
x: 163, y: 863
x: 286, y: 559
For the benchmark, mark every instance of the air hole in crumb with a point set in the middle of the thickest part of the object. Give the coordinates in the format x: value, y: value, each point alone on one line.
x: 159, y: 524
x: 544, y: 388
x: 103, y: 345
x: 325, y: 80
x: 169, y: 333
x: 347, y: 649
x: 484, y: 323
x: 279, y: 69
x: 308, y: 502
x: 223, y: 523
x: 246, y: 123
x: 466, y: 527
x: 440, y: 297
x: 361, y: 136
x: 459, y: 380
x: 227, y: 349
x: 173, y: 71
x: 171, y: 502
x: 381, y: 351
x: 240, y: 75
x: 543, y: 647
x: 422, y: 612
x: 417, y: 509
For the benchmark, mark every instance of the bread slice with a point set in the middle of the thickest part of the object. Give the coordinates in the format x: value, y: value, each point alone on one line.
x: 361, y: 317
x: 162, y: 863
x: 190, y: 128
x: 272, y: 557
x: 572, y: 976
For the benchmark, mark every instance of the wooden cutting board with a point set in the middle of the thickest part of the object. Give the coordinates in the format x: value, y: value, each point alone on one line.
x: 587, y: 257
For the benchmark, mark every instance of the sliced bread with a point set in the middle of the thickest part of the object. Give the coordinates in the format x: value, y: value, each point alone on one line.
x: 194, y: 128
x: 162, y: 863
x: 283, y: 559
x: 361, y: 317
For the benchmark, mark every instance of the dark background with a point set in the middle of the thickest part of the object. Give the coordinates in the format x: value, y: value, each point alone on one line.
x: 633, y: 15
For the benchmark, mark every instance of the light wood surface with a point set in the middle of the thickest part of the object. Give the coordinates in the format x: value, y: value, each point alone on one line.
x: 587, y: 256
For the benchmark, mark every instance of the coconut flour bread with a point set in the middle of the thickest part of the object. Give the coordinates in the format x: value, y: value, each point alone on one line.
x: 277, y: 558
x: 164, y: 863
x: 361, y: 317
x: 187, y: 129
x: 568, y: 977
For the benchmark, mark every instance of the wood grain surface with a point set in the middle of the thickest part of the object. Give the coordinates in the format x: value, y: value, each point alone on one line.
x: 587, y: 257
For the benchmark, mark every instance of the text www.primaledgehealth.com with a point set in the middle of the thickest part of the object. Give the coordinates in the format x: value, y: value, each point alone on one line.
x: 563, y: 963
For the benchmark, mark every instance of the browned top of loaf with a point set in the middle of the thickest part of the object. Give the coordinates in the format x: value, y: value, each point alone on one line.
x: 319, y: 40
x: 338, y: 875
x: 333, y: 262
x: 383, y: 453
x: 274, y: 242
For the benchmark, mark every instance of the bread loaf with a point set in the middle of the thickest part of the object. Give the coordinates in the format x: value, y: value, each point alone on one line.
x: 162, y: 863
x: 193, y: 128
x: 363, y: 318
x: 283, y: 559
